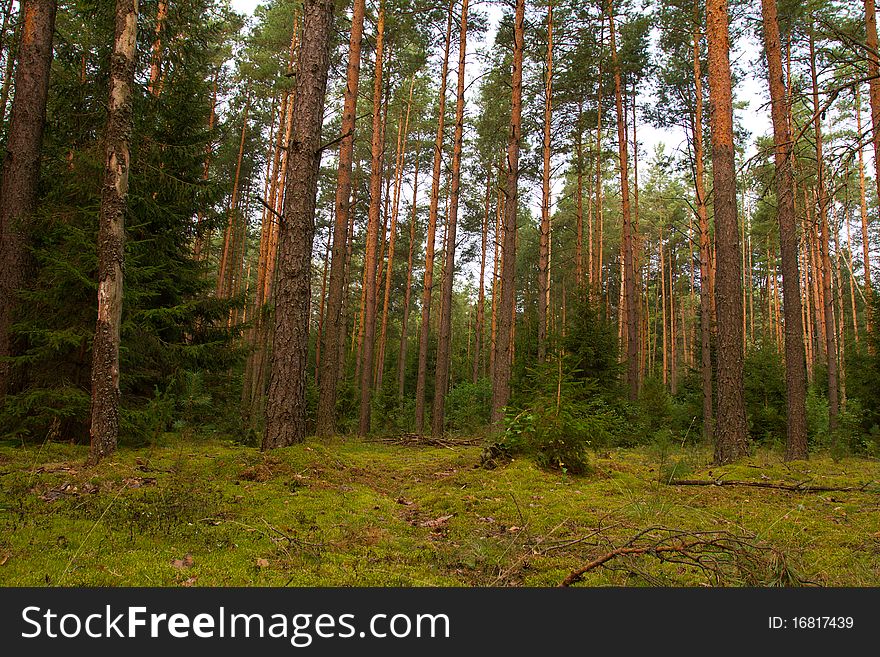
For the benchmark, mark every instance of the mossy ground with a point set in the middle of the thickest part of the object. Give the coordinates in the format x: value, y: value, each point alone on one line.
x: 353, y: 513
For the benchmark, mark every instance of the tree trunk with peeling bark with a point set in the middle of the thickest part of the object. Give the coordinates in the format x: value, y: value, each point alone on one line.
x: 104, y: 431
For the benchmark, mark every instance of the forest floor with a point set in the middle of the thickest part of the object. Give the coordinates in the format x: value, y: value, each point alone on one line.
x: 208, y: 512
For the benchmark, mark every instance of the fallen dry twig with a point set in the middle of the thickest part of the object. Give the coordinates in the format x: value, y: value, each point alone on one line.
x: 797, y: 488
x: 721, y: 557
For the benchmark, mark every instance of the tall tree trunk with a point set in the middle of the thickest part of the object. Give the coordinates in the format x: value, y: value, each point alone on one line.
x: 703, y: 225
x: 21, y: 164
x: 155, y: 84
x: 731, y: 428
x: 225, y: 269
x: 5, y: 47
x: 544, y: 246
x: 372, y: 246
x: 507, y: 307
x: 407, y: 297
x: 428, y: 286
x: 874, y: 99
x: 333, y: 335
x: 848, y: 259
x: 445, y: 334
x: 863, y: 206
x: 629, y: 293
x: 104, y: 430
x: 286, y: 404
x: 795, y: 368
x: 11, y: 56
x: 496, y: 280
x: 579, y: 237
x: 398, y: 182
x: 824, y: 245
x: 479, y: 329
x: 596, y: 258
x: 200, y: 215
x: 321, y: 314
x: 663, y: 309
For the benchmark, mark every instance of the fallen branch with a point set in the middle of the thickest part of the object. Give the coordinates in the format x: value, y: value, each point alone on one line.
x: 414, y: 439
x: 797, y: 488
x: 654, y: 550
x: 721, y: 557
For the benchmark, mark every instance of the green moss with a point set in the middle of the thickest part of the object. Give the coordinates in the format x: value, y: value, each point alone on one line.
x: 342, y: 513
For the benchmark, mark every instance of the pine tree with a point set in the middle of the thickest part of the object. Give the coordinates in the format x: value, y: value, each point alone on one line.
x: 731, y: 427
x: 285, y: 409
x: 21, y: 165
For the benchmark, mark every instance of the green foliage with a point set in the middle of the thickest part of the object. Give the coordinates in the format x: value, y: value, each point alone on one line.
x: 591, y: 348
x: 764, y: 383
x: 171, y: 327
x: 558, y: 419
x: 468, y: 406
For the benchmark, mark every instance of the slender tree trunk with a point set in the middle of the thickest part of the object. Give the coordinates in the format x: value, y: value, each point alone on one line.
x: 795, y: 368
x: 731, y: 428
x: 104, y: 430
x: 706, y: 318
x: 445, y: 335
x: 7, y: 48
x: 333, y: 336
x: 496, y: 280
x: 596, y: 277
x: 841, y: 320
x: 398, y: 182
x: 632, y: 322
x: 874, y: 99
x: 663, y: 308
x: 407, y: 298
x: 507, y: 308
x: 225, y: 269
x: 863, y: 206
x: 428, y: 286
x: 155, y: 84
x: 200, y: 216
x: 852, y: 282
x: 286, y: 404
x: 11, y: 56
x: 824, y: 245
x: 481, y: 294
x: 371, y: 256
x: 579, y: 237
x: 21, y: 164
x: 321, y: 314
x: 673, y: 341
x: 544, y: 246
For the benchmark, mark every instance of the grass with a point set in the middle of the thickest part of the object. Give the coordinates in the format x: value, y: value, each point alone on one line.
x: 352, y: 513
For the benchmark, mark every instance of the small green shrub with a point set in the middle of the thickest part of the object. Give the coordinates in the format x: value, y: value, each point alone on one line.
x: 468, y: 406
